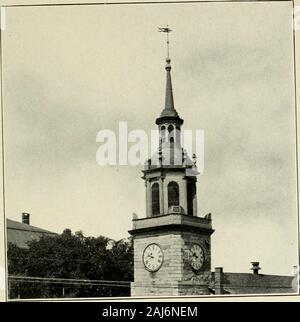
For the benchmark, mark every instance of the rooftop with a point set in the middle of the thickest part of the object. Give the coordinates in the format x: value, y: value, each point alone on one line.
x: 20, y: 233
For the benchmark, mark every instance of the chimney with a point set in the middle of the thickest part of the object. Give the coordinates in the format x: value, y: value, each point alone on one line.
x: 26, y: 218
x: 219, y: 280
x: 255, y: 267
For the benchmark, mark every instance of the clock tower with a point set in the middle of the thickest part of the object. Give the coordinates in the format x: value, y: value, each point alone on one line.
x: 172, y: 246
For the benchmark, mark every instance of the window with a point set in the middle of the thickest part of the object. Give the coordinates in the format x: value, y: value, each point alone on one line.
x: 162, y: 134
x: 155, y: 199
x: 191, y: 195
x: 170, y: 128
x: 173, y: 194
x: 171, y: 133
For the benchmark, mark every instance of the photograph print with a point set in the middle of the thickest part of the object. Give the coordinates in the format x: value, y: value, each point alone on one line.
x: 149, y: 150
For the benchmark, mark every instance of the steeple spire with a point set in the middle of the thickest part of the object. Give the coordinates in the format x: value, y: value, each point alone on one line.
x: 169, y: 109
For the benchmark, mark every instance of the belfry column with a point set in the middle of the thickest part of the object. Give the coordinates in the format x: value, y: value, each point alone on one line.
x: 165, y: 192
x: 195, y: 210
x: 148, y: 198
x: 183, y: 194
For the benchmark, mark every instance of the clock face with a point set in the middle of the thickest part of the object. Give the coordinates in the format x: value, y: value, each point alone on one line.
x: 153, y: 257
x: 196, y: 257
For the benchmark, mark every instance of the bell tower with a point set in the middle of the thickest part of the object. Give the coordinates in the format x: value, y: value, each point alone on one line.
x: 171, y: 244
x: 173, y: 189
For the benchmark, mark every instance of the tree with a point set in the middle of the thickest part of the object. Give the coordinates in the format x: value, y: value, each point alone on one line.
x: 121, y: 260
x: 72, y: 256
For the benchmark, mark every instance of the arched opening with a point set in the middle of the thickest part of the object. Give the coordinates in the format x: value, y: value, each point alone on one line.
x: 163, y: 133
x: 170, y: 133
x: 173, y: 194
x: 191, y: 195
x: 155, y: 199
x: 170, y: 128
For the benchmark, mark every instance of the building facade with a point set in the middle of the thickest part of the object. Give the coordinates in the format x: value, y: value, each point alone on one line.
x: 20, y: 233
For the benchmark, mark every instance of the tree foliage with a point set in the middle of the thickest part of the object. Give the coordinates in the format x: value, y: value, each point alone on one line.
x: 72, y: 256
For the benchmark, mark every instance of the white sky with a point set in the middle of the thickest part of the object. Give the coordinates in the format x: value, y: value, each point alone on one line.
x: 72, y: 71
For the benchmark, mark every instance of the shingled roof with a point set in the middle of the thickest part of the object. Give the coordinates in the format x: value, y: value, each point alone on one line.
x: 20, y: 234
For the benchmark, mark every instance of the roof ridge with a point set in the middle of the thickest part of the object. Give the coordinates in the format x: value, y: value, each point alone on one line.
x: 25, y: 227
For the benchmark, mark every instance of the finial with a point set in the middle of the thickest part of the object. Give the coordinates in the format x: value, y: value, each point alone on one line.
x: 134, y: 216
x: 167, y: 30
x: 194, y: 157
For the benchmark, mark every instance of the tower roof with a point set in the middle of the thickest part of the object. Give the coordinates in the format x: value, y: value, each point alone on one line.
x: 169, y: 109
x: 169, y: 112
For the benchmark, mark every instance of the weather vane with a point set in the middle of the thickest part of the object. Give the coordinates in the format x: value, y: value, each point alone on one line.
x: 167, y: 30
